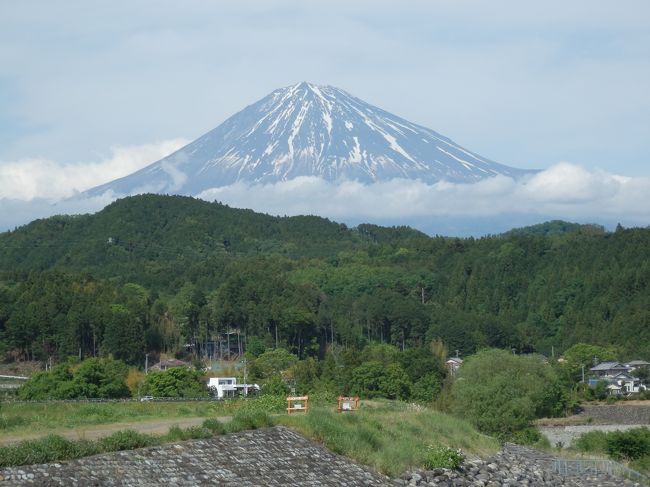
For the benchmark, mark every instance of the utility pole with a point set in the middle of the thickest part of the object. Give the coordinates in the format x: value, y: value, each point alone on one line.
x: 245, y: 380
x: 146, y: 363
x: 583, y: 373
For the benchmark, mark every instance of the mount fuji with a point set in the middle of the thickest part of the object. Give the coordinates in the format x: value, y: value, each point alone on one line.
x: 309, y: 130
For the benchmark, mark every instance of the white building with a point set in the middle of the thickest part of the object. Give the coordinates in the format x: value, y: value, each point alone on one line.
x: 225, y: 387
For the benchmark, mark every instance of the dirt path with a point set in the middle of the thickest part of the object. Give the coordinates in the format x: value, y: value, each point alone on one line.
x: 158, y: 426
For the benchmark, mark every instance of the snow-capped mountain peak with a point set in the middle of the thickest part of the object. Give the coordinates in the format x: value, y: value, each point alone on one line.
x: 310, y: 130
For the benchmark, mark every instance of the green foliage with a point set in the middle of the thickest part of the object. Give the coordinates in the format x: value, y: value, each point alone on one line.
x: 556, y: 228
x: 502, y: 393
x: 530, y: 436
x: 102, y: 378
x: 93, y: 378
x: 443, y: 457
x: 214, y: 425
x: 152, y: 273
x: 272, y: 363
x: 124, y: 335
x: 583, y: 355
x: 193, y: 432
x: 375, y: 379
x: 45, y: 450
x: 266, y: 403
x: 247, y: 419
x: 275, y: 387
x: 126, y: 440
x: 391, y: 437
x: 631, y: 444
x: 175, y: 382
x: 591, y: 442
x: 427, y: 388
x: 54, y: 448
x: 367, y: 379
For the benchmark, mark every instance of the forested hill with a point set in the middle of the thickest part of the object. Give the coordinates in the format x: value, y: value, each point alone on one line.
x: 150, y: 233
x: 175, y: 270
x: 555, y: 227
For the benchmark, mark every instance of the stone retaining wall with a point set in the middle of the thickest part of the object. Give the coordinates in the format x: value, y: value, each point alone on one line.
x: 565, y: 435
x: 617, y: 413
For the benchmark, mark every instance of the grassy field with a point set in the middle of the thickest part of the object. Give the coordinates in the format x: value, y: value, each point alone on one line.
x: 18, y: 418
x: 55, y: 448
x: 388, y: 436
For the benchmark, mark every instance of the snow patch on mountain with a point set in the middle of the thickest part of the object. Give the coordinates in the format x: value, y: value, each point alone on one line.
x: 310, y: 130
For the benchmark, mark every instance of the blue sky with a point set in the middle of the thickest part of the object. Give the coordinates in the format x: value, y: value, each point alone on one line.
x: 91, y: 90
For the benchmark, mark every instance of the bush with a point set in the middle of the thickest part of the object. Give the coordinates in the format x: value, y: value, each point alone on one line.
x: 126, y: 440
x: 93, y: 378
x: 176, y: 382
x: 44, y: 450
x: 214, y: 425
x: 629, y: 445
x: 266, y: 404
x: 249, y: 420
x: 621, y: 445
x: 592, y: 442
x: 502, y: 393
x: 192, y: 433
x: 443, y: 457
x: 529, y: 436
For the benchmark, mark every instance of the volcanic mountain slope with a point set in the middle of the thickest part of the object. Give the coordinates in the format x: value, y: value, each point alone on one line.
x: 309, y: 130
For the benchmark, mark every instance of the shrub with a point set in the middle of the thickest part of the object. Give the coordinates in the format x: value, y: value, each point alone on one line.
x: 192, y: 433
x: 266, y: 404
x: 443, y: 457
x: 529, y: 436
x: 592, y: 442
x: 44, y: 450
x: 126, y: 440
x: 92, y: 378
x: 214, y: 425
x: 249, y: 420
x: 176, y: 382
x: 502, y: 393
x: 629, y: 445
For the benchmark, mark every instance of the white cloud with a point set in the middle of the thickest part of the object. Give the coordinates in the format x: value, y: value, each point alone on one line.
x: 563, y: 191
x: 27, y: 179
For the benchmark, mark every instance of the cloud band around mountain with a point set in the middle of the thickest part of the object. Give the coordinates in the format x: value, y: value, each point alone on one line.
x: 40, y: 188
x: 565, y: 191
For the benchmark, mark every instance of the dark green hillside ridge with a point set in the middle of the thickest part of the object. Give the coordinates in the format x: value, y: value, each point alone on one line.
x: 205, y: 267
x: 155, y: 228
x: 555, y: 227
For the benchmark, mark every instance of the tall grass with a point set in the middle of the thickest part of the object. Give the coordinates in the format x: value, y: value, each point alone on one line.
x: 390, y: 438
x: 53, y: 417
x: 54, y: 448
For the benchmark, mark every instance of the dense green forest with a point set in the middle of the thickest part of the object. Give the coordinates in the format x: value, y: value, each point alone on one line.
x: 151, y: 274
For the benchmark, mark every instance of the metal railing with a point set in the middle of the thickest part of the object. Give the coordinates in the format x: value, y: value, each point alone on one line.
x: 595, y: 467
